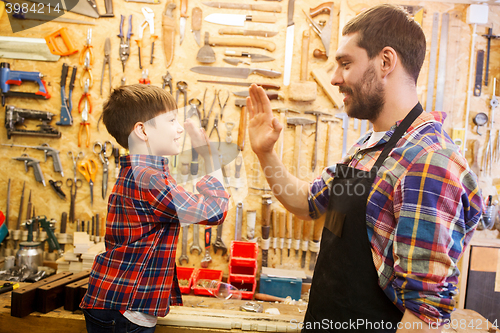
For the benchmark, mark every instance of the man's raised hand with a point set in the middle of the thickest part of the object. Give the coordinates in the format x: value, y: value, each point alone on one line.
x: 263, y: 128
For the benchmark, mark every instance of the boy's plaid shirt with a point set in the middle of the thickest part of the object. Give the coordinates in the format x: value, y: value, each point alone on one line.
x: 422, y: 210
x: 138, y: 272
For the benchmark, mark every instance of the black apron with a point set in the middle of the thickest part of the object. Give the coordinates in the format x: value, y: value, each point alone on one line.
x: 345, y: 294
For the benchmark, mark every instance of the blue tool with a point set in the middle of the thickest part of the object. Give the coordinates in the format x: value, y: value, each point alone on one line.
x: 8, y: 77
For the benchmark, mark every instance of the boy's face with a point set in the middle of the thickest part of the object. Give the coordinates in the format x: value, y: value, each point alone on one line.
x: 165, y: 137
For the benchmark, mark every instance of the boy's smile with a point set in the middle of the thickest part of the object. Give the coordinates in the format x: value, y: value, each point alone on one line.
x: 164, y: 134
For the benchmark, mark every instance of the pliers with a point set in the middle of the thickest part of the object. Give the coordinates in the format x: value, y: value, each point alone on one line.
x: 206, y: 117
x: 85, y: 97
x: 182, y: 88
x: 167, y: 81
x: 87, y: 69
x: 107, y: 53
x: 125, y: 43
x: 222, y: 106
x: 87, y: 48
x: 216, y: 128
x: 149, y: 18
x: 86, y: 124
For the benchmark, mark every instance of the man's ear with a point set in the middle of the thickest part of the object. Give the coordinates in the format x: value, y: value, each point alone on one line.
x: 389, y: 59
x: 140, y: 131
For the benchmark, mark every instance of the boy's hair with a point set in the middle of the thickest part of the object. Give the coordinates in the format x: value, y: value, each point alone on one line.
x: 389, y: 25
x: 128, y: 105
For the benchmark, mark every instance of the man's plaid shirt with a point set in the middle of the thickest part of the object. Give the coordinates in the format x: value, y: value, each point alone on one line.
x: 422, y: 210
x: 137, y: 272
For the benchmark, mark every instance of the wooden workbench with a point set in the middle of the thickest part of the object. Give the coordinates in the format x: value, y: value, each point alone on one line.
x: 199, y: 314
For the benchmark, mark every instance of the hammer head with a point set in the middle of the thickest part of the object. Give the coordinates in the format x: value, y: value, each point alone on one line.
x: 299, y: 121
x: 285, y: 110
x: 318, y: 113
x: 241, y: 102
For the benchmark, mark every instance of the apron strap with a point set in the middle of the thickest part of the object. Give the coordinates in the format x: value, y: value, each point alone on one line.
x: 398, y: 134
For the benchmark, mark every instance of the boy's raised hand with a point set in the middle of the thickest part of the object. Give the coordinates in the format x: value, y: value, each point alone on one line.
x: 263, y: 128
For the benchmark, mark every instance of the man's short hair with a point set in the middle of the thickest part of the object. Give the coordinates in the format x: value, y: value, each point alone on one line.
x: 128, y: 105
x: 389, y: 25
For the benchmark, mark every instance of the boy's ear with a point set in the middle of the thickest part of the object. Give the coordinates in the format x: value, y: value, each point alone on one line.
x: 140, y: 131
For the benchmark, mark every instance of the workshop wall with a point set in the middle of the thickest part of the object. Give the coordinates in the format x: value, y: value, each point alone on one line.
x: 48, y: 203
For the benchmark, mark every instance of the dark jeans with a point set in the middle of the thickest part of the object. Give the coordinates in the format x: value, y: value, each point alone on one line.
x: 111, y: 321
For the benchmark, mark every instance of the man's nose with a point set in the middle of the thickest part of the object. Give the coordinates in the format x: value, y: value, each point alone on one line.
x: 337, y: 78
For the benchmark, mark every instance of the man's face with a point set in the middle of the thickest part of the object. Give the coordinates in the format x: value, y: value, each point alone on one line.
x: 356, y: 77
x: 164, y: 137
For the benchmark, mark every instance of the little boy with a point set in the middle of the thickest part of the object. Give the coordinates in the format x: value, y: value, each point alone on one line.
x: 135, y: 280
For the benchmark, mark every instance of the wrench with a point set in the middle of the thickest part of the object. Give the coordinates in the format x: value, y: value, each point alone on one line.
x: 219, y: 244
x: 196, y: 240
x: 185, y: 230
x: 207, y: 259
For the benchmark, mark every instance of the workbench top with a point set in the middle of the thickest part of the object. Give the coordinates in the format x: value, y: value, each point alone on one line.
x: 202, y: 314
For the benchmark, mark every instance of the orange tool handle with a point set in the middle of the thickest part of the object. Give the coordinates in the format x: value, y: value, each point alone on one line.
x: 80, y: 107
x: 87, y: 142
x: 282, y: 224
x: 84, y: 51
x: 275, y: 222
x: 184, y: 8
x: 54, y: 49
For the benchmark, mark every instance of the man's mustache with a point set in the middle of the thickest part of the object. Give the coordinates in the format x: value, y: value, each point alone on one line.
x: 345, y: 90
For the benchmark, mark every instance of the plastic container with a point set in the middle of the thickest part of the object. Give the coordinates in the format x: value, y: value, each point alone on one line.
x: 186, y: 273
x: 244, y: 254
x: 206, y: 274
x: 280, y: 286
x: 242, y: 270
x: 247, y: 288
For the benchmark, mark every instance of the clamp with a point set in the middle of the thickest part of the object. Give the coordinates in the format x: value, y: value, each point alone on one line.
x: 145, y: 79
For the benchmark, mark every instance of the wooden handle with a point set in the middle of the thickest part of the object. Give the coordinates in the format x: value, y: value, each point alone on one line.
x: 196, y: 18
x: 185, y: 169
x: 267, y: 298
x: 263, y: 18
x: 281, y: 139
x: 282, y: 224
x: 267, y: 8
x: 289, y: 221
x: 231, y: 31
x: 266, y: 210
x: 331, y: 147
x: 320, y: 54
x: 297, y: 228
x: 324, y: 8
x: 184, y: 8
x: 274, y: 218
x: 306, y: 234
x: 318, y: 228
x: 243, y: 42
x: 305, y: 55
x: 296, y: 150
x: 242, y: 128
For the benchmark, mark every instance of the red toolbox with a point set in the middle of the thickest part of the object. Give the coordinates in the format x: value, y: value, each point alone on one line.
x: 244, y: 254
x: 206, y: 274
x: 243, y: 267
x: 185, y: 273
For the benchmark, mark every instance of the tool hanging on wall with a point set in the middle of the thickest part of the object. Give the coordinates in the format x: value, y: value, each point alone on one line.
x: 282, y: 223
x: 275, y: 8
x: 304, y: 91
x: 87, y: 48
x: 104, y: 151
x: 145, y: 77
x: 345, y: 129
x: 479, y: 73
x: 432, y: 62
x: 48, y: 151
x: 314, y: 161
x: 238, y: 20
x: 243, y: 32
x: 488, y: 36
x: 9, y: 77
x: 196, y: 19
x: 168, y: 30
x: 238, y: 221
x: 106, y: 61
x: 244, y: 84
x: 266, y: 226
x: 253, y: 57
x: 149, y: 16
x: 89, y: 170
x: 84, y: 124
x: 443, y: 51
x: 195, y: 246
x: 289, y: 43
x: 306, y: 236
x: 167, y: 81
x: 324, y: 33
x: 87, y: 72
x: 183, y: 19
x: 207, y: 259
x: 24, y: 48
x: 298, y: 123
x: 488, y: 158
x: 66, y: 117
x: 480, y: 120
x: 124, y: 49
x: 16, y: 116
x: 54, y: 46
x: 33, y: 163
x: 274, y: 223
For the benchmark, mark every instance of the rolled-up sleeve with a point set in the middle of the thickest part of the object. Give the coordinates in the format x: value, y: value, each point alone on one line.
x: 437, y: 205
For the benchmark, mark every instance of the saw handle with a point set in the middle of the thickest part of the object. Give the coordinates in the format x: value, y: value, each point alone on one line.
x: 324, y: 8
x: 184, y: 7
x: 54, y: 49
x: 263, y: 18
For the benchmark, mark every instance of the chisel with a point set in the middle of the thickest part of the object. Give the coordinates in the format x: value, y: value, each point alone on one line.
x: 282, y: 233
x: 297, y: 228
x: 306, y: 235
x: 316, y: 240
x: 266, y: 220
x: 289, y: 232
x: 274, y: 220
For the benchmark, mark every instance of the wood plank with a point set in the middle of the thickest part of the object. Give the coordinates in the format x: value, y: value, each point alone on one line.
x: 51, y: 295
x: 23, y: 299
x: 72, y: 293
x: 484, y: 259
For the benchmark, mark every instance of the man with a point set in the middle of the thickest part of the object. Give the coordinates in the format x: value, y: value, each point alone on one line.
x: 400, y: 208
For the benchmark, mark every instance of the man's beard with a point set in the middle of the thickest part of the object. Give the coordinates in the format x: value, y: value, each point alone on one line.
x: 366, y: 98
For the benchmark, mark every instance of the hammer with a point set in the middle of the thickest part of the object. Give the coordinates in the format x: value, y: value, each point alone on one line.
x: 283, y: 112
x: 315, y: 151
x: 304, y: 91
x: 298, y: 123
x: 329, y: 145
